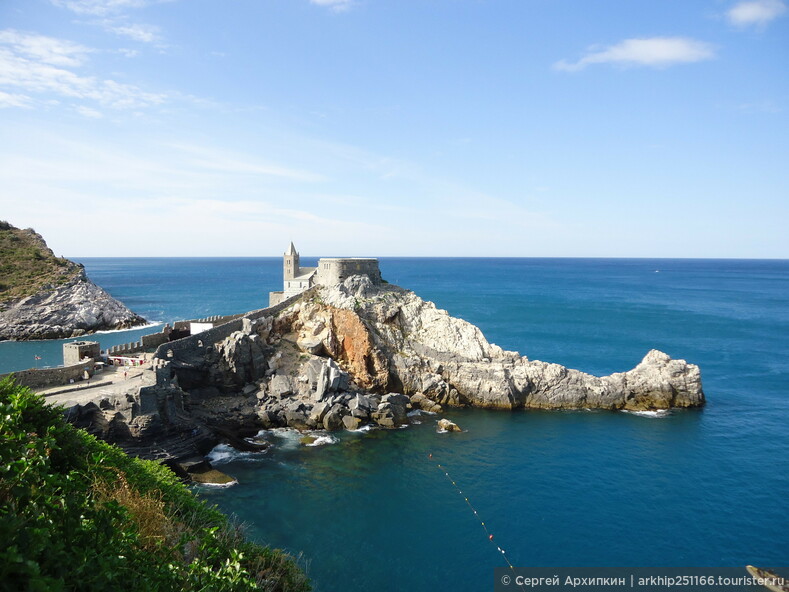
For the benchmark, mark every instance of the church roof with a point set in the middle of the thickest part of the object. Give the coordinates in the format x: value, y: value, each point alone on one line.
x: 305, y: 273
x: 291, y: 250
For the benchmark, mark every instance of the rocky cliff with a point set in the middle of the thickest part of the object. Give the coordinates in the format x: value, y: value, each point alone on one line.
x: 342, y: 356
x: 48, y: 297
x: 389, y: 339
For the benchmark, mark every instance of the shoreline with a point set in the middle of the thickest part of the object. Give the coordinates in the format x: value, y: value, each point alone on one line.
x: 99, y: 332
x: 332, y: 358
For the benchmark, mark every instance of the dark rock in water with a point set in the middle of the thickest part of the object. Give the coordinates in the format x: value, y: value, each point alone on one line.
x: 212, y: 477
x: 392, y: 411
x: 384, y: 416
x: 444, y: 425
x: 239, y: 443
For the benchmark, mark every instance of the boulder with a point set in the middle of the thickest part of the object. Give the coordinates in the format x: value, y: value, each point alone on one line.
x: 384, y: 418
x: 319, y: 411
x: 330, y: 379
x: 351, y: 423
x: 297, y: 420
x: 311, y: 344
x: 297, y: 406
x: 360, y: 402
x: 398, y: 405
x: 269, y: 419
x: 333, y: 420
x: 212, y: 477
x: 420, y: 401
x: 239, y: 359
x: 281, y: 385
x: 444, y: 425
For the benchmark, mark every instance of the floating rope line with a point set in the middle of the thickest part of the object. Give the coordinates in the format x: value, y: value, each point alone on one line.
x: 476, y: 515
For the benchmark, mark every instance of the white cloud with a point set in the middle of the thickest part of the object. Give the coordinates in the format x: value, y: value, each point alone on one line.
x: 14, y: 100
x: 114, y: 18
x: 766, y: 106
x: 756, y: 12
x: 89, y: 113
x: 47, y: 50
x: 163, y: 195
x: 135, y: 31
x: 221, y: 161
x: 656, y: 52
x: 44, y: 65
x: 335, y: 5
x: 99, y: 7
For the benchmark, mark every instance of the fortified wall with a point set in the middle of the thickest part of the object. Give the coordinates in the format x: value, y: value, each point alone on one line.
x: 46, y: 377
x: 154, y: 340
x: 180, y: 348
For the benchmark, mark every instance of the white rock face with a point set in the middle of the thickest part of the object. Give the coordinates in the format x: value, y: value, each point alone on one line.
x: 423, y: 349
x: 71, y: 310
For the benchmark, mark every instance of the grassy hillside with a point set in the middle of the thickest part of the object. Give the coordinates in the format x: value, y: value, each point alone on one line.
x: 27, y: 264
x: 78, y: 514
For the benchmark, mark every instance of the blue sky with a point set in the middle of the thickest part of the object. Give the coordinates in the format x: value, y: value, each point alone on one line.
x: 629, y: 128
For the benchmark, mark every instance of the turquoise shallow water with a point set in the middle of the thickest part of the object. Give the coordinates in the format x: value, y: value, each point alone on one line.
x: 695, y: 488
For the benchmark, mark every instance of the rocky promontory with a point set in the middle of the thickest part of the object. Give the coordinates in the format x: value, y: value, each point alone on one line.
x: 342, y: 356
x: 47, y: 297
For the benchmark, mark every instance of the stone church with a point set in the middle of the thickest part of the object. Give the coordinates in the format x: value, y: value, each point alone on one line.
x: 330, y: 271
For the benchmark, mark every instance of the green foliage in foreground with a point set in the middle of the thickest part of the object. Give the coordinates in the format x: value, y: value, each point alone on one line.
x: 78, y: 514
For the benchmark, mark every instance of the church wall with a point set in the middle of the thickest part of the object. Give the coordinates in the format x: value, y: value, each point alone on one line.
x: 335, y: 270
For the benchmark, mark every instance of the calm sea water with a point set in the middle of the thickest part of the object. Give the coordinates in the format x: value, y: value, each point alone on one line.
x: 371, y: 512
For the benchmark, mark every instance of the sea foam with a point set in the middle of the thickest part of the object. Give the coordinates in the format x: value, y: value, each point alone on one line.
x: 654, y: 414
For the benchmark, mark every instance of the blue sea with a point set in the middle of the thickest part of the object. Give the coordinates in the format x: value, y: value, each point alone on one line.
x: 370, y: 510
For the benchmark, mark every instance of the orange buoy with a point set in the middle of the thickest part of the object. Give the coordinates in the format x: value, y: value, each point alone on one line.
x: 491, y: 537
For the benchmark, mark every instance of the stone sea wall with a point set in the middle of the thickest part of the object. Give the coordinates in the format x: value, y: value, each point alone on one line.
x: 46, y: 377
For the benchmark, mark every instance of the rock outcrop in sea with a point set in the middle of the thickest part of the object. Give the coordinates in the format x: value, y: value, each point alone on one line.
x: 342, y: 356
x: 48, y: 297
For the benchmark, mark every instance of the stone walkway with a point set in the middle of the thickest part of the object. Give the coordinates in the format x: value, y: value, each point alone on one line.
x: 109, y: 383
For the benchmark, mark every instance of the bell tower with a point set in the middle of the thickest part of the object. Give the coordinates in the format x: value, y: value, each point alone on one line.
x: 290, y: 263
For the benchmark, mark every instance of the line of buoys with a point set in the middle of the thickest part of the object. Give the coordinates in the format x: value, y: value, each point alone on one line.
x: 476, y: 515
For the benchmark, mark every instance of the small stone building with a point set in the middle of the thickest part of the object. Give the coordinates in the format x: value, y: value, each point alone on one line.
x: 76, y: 351
x: 330, y: 271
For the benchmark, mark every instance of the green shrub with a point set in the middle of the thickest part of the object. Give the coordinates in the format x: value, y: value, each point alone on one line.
x: 78, y: 514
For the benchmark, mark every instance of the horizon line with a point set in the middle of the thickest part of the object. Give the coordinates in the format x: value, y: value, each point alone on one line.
x: 590, y: 257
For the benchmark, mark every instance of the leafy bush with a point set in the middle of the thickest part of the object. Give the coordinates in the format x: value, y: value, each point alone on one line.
x: 78, y: 513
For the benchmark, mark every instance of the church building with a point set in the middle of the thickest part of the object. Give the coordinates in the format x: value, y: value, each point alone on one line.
x: 330, y: 271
